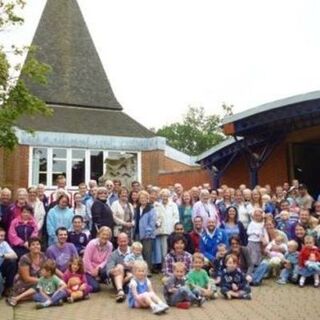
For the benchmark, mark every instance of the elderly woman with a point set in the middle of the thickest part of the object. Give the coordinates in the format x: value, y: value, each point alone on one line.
x: 205, y: 209
x: 37, y: 205
x: 145, y: 226
x: 14, y: 211
x: 95, y: 258
x: 28, y: 272
x: 245, y: 209
x: 101, y: 212
x: 59, y: 216
x: 167, y: 216
x: 123, y: 214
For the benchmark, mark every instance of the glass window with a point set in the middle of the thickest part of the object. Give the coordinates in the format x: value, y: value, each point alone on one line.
x: 39, y: 164
x: 78, y: 167
x: 78, y: 154
x: 96, y: 167
x: 59, y: 153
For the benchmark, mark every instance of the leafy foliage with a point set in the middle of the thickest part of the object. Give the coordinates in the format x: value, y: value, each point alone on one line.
x: 15, y: 98
x: 197, y: 132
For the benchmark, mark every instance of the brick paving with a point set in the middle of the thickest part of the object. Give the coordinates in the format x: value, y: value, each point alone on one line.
x: 270, y: 301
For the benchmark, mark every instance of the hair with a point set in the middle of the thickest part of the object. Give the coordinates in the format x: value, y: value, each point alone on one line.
x: 79, y: 262
x: 32, y: 240
x: 143, y: 193
x: 293, y: 243
x: 164, y: 192
x: 63, y: 196
x: 178, y: 224
x: 27, y: 208
x: 60, y: 177
x: 61, y: 229
x: 76, y: 193
x: 135, y: 182
x: 104, y: 228
x: 183, y: 203
x: 50, y: 266
x: 233, y: 257
x: 198, y: 255
x: 77, y: 216
x: 139, y: 264
x: 32, y: 188
x: 123, y: 189
x: 2, y: 229
x: 227, y: 214
x: 178, y: 237
x: 222, y: 245
x: 198, y: 217
x: 137, y: 245
x: 235, y: 238
x: 308, y: 237
x: 82, y: 184
x: 179, y: 265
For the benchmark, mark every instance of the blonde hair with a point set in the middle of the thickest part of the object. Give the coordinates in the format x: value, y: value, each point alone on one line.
x: 198, y: 255
x: 137, y: 245
x: 179, y: 265
x: 143, y: 193
x: 104, y: 228
x: 139, y: 264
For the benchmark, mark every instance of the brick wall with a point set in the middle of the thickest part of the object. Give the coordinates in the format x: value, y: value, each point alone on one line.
x: 15, y: 167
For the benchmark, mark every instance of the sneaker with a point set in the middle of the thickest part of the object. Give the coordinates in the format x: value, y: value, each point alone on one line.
x: 316, y: 284
x: 183, y: 305
x: 247, y: 296
x: 60, y: 303
x: 281, y: 281
x: 228, y: 296
x: 156, y: 309
x: 70, y: 300
x: 301, y: 282
x: 40, y: 305
x: 200, y: 301
x: 163, y: 306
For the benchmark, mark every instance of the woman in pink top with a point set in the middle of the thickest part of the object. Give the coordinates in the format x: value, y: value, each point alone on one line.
x: 95, y: 258
x: 21, y: 230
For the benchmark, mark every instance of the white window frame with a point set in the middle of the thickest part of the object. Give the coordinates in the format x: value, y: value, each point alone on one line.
x: 69, y: 160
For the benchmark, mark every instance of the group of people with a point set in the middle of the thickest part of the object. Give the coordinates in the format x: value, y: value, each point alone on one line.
x: 206, y: 243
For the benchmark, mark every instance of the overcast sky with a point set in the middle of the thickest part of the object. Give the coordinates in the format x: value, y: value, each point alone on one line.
x: 163, y: 55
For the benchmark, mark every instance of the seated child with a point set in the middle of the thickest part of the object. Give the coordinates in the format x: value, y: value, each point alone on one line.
x: 233, y: 281
x: 76, y: 280
x: 218, y: 263
x: 290, y: 263
x: 276, y: 250
x: 176, y: 292
x: 77, y: 236
x: 129, y: 259
x: 313, y: 262
x: 198, y: 280
x: 50, y: 290
x: 306, y: 266
x: 284, y: 223
x: 141, y: 294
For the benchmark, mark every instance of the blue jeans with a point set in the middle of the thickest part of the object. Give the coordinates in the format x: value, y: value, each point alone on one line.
x: 55, y: 298
x: 260, y: 272
x: 1, y: 285
x: 94, y: 283
x: 289, y: 274
x: 183, y: 294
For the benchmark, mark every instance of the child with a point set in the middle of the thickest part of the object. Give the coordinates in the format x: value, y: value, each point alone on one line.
x: 256, y: 233
x: 77, y: 236
x: 76, y: 280
x: 218, y: 263
x: 176, y: 292
x: 290, y: 263
x: 198, y: 279
x: 306, y: 268
x: 233, y: 281
x: 129, y: 259
x: 50, y: 289
x: 313, y: 262
x: 141, y: 294
x: 284, y: 223
x: 275, y: 250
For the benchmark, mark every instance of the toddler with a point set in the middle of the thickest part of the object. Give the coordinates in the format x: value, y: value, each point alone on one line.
x: 256, y: 233
x: 141, y: 294
x: 290, y: 263
x: 129, y: 259
x: 309, y: 251
x: 284, y: 223
x: 218, y: 263
x: 50, y: 289
x: 275, y: 250
x: 233, y: 281
x: 198, y: 280
x: 76, y: 280
x: 176, y: 292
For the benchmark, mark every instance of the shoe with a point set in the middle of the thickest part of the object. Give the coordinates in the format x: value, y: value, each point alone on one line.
x: 247, y: 296
x: 40, y: 306
x: 70, y: 300
x: 120, y: 297
x: 156, y: 309
x: 228, y: 296
x: 200, y: 301
x: 163, y: 306
x: 301, y: 282
x: 60, y: 303
x: 316, y: 284
x: 281, y: 281
x: 183, y: 305
x: 86, y: 297
x: 11, y: 301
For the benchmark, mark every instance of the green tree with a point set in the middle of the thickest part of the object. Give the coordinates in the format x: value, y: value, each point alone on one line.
x: 197, y: 132
x: 15, y: 98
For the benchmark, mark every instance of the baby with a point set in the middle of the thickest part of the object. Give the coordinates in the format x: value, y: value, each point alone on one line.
x: 313, y: 262
x: 276, y: 250
x: 218, y: 263
x: 135, y: 255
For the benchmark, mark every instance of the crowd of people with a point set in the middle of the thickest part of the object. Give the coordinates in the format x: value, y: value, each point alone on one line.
x: 206, y: 243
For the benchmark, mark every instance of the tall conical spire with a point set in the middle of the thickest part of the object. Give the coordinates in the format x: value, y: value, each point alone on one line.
x: 78, y: 77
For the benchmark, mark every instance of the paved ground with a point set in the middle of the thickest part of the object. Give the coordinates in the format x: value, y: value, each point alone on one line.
x: 270, y: 301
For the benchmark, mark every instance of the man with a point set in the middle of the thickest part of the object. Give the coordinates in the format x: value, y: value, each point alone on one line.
x: 117, y: 186
x: 179, y: 230
x: 178, y: 189
x: 196, y: 233
x: 304, y: 200
x: 5, y: 204
x: 62, y: 251
x: 112, y: 196
x: 115, y: 268
x: 135, y: 186
x: 210, y: 239
x: 61, y: 183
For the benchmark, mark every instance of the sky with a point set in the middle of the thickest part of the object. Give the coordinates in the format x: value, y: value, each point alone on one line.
x: 162, y: 56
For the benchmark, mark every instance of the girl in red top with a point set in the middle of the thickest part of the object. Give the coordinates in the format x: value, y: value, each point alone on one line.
x: 306, y: 269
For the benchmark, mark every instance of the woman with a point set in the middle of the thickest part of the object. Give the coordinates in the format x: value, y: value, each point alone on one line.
x: 245, y: 209
x: 224, y: 204
x: 133, y: 198
x: 300, y: 232
x: 233, y: 226
x: 145, y: 226
x: 123, y: 215
x: 37, y: 205
x: 167, y: 215
x: 79, y: 209
x: 256, y: 199
x: 185, y: 211
x: 59, y: 216
x: 101, y: 212
x: 15, y: 210
x: 205, y: 209
x: 28, y: 272
x: 21, y: 230
x: 95, y: 258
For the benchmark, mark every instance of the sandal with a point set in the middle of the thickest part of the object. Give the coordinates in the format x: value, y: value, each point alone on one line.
x: 120, y: 297
x: 11, y: 301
